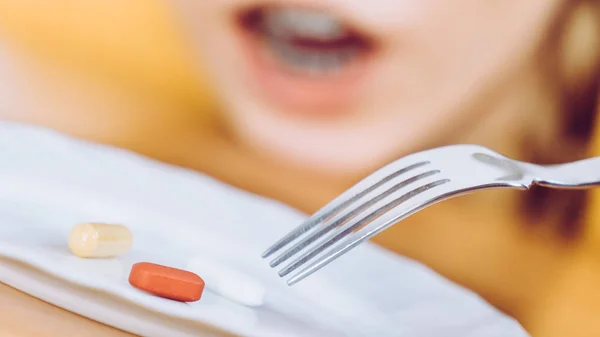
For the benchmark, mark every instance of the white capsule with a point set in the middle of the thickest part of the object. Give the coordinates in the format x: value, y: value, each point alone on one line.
x: 228, y: 282
x: 95, y: 240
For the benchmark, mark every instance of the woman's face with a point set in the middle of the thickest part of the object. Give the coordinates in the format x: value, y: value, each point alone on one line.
x: 338, y: 85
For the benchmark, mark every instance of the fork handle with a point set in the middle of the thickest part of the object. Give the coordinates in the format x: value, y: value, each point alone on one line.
x: 579, y: 174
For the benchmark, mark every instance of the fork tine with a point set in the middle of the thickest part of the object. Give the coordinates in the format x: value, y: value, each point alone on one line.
x: 379, y: 223
x: 346, y: 216
x: 356, y: 192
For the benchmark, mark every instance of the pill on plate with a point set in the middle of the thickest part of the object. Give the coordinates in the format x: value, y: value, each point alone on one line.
x: 175, y: 284
x: 99, y: 240
x: 228, y: 282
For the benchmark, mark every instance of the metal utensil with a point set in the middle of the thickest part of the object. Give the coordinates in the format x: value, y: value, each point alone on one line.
x: 406, y: 186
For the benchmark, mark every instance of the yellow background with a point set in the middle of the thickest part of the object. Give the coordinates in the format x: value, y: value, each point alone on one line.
x: 134, y: 42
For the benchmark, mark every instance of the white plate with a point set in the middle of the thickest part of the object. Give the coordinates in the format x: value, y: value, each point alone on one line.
x: 50, y: 182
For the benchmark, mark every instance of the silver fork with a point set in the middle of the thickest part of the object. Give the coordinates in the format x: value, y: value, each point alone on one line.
x: 406, y: 186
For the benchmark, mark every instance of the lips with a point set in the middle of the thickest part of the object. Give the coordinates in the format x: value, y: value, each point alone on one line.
x: 309, y: 59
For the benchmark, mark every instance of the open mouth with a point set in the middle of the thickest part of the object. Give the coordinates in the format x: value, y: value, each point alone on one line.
x: 304, y: 56
x: 314, y: 42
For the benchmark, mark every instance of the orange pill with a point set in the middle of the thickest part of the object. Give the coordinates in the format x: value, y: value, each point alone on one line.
x: 175, y: 284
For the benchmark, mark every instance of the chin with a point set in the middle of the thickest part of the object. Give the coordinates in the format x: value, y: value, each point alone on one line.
x: 346, y: 146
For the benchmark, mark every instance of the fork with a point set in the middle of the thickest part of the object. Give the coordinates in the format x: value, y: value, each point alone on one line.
x: 407, y: 186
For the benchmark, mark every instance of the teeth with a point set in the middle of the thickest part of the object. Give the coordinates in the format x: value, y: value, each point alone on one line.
x: 312, y: 62
x: 285, y: 29
x: 303, y: 23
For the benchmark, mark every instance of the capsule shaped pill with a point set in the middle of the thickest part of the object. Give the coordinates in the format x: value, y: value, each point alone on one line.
x: 96, y: 240
x: 175, y: 284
